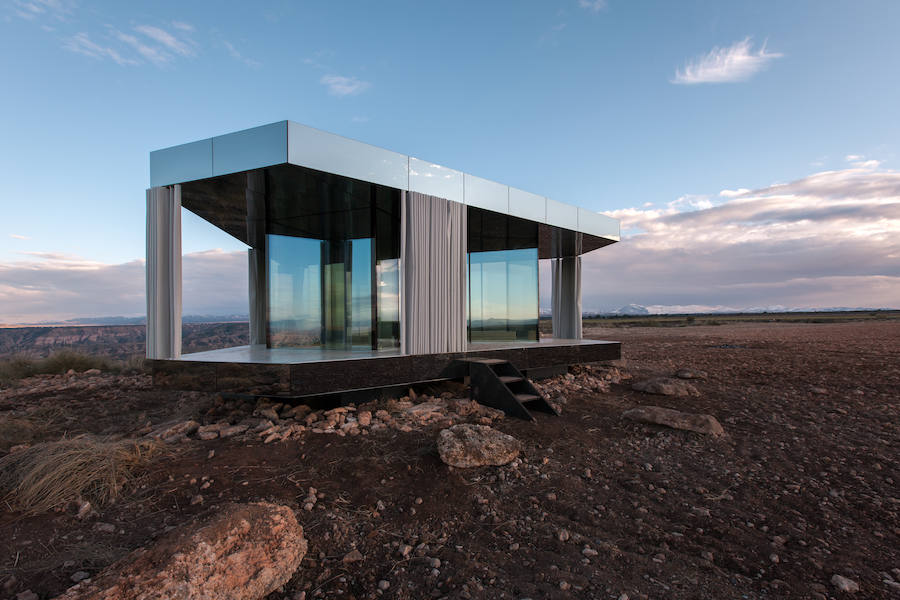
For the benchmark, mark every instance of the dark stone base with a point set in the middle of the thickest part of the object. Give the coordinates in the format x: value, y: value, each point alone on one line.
x: 328, y: 377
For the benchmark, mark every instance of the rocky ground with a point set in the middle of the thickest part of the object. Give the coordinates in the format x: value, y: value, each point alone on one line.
x: 801, y: 487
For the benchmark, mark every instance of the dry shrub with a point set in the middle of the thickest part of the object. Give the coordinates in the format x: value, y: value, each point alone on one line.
x: 52, y: 474
x: 15, y: 431
x: 20, y: 367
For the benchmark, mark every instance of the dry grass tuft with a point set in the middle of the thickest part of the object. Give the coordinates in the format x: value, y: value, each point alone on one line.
x: 52, y: 474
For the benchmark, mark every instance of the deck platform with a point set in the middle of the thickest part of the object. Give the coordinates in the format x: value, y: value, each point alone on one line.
x: 296, y: 372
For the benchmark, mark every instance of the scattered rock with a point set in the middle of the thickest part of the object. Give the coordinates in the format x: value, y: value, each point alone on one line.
x: 665, y: 386
x: 383, y: 585
x: 79, y: 576
x: 242, y: 552
x: 178, y: 431
x: 468, y: 445
x: 690, y: 374
x: 675, y: 419
x: 352, y: 556
x: 844, y: 584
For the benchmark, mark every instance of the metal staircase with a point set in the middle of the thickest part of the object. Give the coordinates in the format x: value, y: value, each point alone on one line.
x: 499, y: 384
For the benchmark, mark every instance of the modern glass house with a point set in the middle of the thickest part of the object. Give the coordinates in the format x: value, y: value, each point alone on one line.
x: 356, y: 252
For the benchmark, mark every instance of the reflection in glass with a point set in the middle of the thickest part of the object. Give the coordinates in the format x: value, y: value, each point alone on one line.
x: 503, y: 295
x: 295, y: 291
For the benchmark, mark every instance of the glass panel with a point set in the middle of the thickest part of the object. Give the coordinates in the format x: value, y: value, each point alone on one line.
x: 352, y: 236
x: 503, y: 295
x: 295, y: 291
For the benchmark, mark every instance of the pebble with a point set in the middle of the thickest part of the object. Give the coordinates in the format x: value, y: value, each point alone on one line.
x: 435, y: 563
x: 79, y: 576
x: 198, y: 499
x: 844, y: 584
x: 383, y: 585
x: 707, y: 555
x: 563, y: 535
x: 564, y: 585
x: 404, y: 550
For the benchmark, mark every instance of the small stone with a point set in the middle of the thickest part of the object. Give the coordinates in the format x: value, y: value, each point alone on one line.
x: 418, y: 501
x: 513, y: 547
x: 564, y: 585
x: 589, y: 552
x: 404, y: 550
x: 707, y: 555
x: 105, y: 527
x: 210, y: 454
x: 85, y: 510
x: 383, y: 585
x: 79, y: 576
x: 563, y: 535
x: 774, y: 558
x: 27, y: 594
x: 623, y: 596
x: 353, y: 556
x: 435, y: 563
x: 844, y: 584
x: 198, y: 499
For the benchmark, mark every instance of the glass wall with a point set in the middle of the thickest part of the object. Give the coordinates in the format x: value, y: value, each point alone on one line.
x: 503, y: 277
x: 333, y: 248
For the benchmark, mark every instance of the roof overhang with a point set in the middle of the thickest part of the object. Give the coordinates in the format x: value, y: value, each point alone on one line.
x: 286, y: 142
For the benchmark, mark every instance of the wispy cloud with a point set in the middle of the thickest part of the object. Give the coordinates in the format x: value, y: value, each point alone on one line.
x: 148, y: 44
x: 33, y: 9
x: 737, y: 62
x: 592, y: 5
x: 81, y: 43
x: 339, y: 85
x: 16, y: 236
x: 235, y: 54
x: 179, y: 46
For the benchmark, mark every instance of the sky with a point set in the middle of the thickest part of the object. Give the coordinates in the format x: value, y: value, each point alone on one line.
x: 751, y: 149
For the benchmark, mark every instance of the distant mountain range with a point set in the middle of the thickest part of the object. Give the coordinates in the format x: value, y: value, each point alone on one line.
x: 625, y: 311
x: 637, y: 310
x: 131, y: 321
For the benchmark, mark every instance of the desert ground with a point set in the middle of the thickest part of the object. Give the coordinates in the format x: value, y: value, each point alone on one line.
x: 804, y: 484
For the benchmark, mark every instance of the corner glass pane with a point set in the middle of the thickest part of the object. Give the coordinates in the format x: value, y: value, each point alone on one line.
x: 295, y: 291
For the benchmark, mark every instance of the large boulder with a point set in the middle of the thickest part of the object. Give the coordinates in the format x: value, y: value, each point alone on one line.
x: 675, y: 419
x: 665, y: 386
x: 468, y: 445
x: 242, y: 552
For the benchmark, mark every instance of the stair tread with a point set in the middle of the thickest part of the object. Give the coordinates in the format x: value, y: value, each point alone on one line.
x: 527, y: 397
x: 488, y: 361
x: 510, y: 378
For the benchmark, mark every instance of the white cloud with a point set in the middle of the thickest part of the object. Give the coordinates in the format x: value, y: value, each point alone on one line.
x: 339, y: 85
x: 592, y: 5
x: 859, y: 161
x: 829, y: 239
x: 17, y: 236
x: 737, y: 62
x: 56, y: 286
x: 733, y: 193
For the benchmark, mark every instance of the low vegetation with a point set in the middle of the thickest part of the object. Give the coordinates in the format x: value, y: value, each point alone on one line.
x: 62, y: 361
x: 52, y: 474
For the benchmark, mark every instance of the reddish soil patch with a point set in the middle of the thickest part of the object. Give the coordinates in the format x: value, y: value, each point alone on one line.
x: 803, y: 486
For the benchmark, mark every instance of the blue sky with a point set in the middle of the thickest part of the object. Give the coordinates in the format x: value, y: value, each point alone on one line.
x: 653, y: 107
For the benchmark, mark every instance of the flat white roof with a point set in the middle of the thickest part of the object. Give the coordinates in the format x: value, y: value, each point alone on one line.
x: 296, y: 144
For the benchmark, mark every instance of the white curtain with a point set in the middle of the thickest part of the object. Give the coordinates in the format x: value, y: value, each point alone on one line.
x: 566, y: 297
x: 433, y: 281
x: 164, y: 272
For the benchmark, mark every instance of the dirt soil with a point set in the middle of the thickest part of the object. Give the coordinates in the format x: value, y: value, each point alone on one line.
x: 804, y: 485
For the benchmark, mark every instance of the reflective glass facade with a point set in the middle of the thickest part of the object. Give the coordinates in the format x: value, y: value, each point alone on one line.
x: 333, y: 247
x: 503, y: 277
